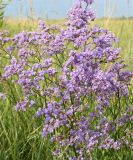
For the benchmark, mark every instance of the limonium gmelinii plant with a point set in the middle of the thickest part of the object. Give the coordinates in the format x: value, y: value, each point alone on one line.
x: 74, y: 78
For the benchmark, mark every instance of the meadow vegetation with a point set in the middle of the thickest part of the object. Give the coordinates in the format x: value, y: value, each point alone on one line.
x: 21, y: 132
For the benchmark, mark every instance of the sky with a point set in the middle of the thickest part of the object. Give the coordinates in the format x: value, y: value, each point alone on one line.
x: 58, y: 9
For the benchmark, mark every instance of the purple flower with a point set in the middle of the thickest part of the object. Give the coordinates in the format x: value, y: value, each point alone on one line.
x: 41, y: 25
x: 21, y: 105
x: 31, y: 103
x: 3, y: 96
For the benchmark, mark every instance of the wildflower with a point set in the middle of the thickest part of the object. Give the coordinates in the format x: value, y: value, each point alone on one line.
x: 76, y: 80
x: 3, y: 96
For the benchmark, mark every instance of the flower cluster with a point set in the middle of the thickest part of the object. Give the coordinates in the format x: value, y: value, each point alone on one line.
x: 75, y: 78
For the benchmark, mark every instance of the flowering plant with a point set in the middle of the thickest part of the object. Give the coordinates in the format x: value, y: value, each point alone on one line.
x: 75, y: 79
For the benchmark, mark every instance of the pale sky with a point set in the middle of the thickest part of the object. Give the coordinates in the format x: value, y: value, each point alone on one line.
x: 58, y: 8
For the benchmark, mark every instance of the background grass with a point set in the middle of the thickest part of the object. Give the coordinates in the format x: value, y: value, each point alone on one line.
x: 19, y: 138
